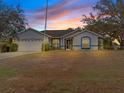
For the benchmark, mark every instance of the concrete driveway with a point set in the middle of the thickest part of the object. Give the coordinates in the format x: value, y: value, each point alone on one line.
x: 13, y: 54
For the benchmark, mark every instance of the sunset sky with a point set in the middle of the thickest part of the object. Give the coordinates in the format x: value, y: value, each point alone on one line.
x: 62, y: 14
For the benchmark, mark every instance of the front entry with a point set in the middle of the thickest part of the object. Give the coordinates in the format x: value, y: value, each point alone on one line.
x: 68, y: 44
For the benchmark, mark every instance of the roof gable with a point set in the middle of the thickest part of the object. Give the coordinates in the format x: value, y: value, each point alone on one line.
x: 57, y: 33
x: 83, y: 31
x: 30, y: 34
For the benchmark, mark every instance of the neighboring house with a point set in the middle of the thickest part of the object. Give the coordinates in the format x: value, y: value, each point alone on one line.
x: 31, y: 40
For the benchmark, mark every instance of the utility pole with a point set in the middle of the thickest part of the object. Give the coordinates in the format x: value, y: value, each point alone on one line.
x: 45, y: 25
x: 46, y: 15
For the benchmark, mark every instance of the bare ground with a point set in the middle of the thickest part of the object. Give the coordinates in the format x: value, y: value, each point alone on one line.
x: 64, y: 72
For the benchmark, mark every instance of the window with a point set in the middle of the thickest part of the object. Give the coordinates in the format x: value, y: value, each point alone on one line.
x: 56, y: 43
x: 86, y: 42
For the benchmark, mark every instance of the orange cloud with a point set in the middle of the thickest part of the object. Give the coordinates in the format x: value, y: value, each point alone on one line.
x: 60, y: 16
x: 64, y: 24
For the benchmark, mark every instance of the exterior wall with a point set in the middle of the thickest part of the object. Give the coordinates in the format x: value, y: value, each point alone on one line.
x: 62, y: 43
x: 47, y: 40
x: 77, y: 41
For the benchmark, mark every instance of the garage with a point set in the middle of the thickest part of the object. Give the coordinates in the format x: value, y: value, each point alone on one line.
x: 30, y: 45
x: 30, y: 40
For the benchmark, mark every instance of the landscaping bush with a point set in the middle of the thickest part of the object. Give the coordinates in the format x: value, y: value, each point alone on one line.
x: 13, y: 47
x: 45, y: 47
x: 3, y: 47
x: 107, y: 43
x: 8, y: 47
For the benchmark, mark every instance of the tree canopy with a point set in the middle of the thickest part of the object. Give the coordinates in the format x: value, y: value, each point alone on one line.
x: 12, y: 20
x: 109, y: 19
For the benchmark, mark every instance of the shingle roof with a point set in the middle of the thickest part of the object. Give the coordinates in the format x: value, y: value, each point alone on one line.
x: 57, y: 33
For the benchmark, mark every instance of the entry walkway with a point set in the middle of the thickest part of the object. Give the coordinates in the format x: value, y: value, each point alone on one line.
x: 13, y: 54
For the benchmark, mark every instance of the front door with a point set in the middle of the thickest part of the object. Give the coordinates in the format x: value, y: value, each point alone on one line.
x: 68, y: 44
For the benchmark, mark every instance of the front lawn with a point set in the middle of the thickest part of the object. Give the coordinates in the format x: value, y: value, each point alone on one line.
x: 64, y: 72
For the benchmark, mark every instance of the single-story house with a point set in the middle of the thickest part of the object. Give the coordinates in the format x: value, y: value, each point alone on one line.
x: 32, y: 40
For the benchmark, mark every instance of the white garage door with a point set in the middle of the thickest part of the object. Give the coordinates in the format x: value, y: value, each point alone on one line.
x: 30, y: 45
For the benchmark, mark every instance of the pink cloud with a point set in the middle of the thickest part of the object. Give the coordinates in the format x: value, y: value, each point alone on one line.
x: 60, y: 16
x: 64, y: 24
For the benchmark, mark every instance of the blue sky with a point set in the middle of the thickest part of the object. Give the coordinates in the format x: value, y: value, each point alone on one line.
x: 62, y: 14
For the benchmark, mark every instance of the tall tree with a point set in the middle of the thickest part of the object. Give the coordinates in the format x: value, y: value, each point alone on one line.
x: 110, y: 18
x: 12, y: 20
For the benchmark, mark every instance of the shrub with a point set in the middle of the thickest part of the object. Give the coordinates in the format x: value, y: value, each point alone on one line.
x: 45, y: 47
x: 3, y: 47
x: 8, y: 47
x: 13, y: 47
x: 107, y: 43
